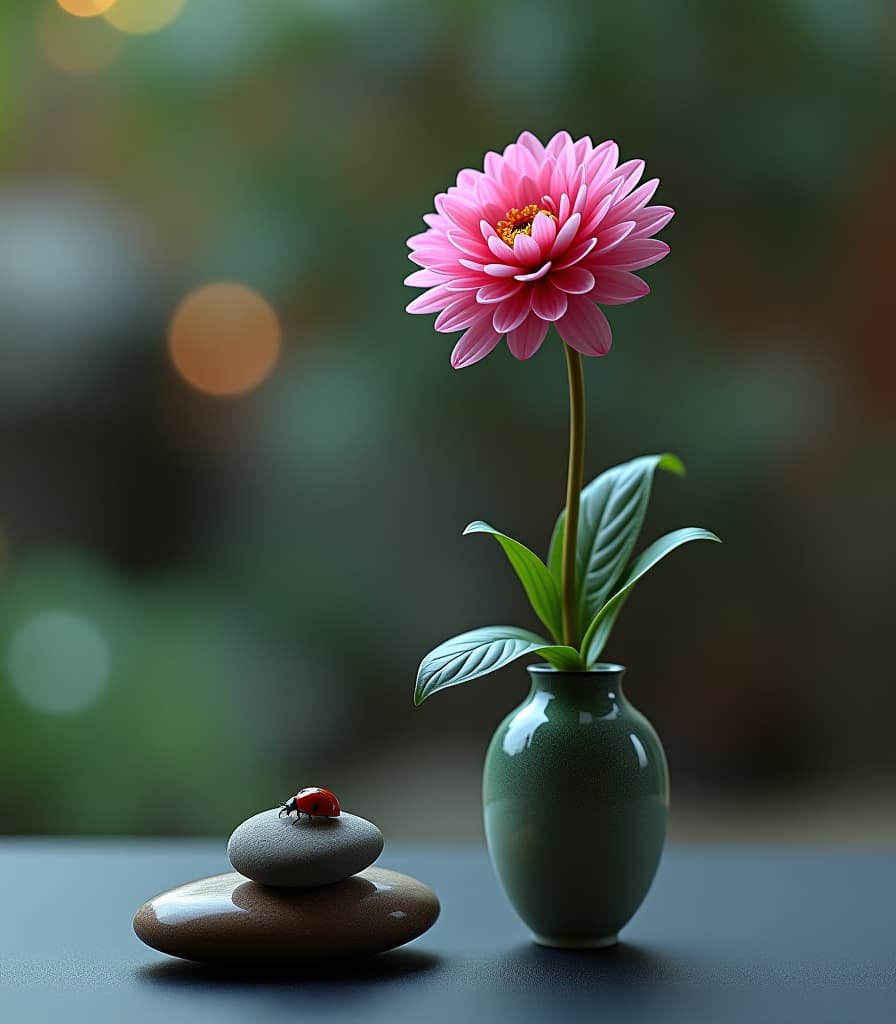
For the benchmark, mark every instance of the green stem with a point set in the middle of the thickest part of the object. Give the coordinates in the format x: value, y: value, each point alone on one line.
x: 574, y: 479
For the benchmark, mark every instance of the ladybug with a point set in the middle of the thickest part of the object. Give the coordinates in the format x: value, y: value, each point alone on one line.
x: 315, y: 802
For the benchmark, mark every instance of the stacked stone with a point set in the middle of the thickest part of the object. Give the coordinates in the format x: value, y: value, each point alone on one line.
x: 303, y: 890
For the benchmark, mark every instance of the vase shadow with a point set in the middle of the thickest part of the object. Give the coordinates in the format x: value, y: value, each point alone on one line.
x: 355, y: 971
x: 620, y: 967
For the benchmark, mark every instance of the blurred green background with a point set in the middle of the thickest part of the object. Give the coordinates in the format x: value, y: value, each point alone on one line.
x: 219, y: 572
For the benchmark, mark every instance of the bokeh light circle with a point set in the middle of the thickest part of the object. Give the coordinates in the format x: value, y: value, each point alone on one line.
x: 140, y: 17
x: 224, y: 339
x: 85, y: 8
x: 58, y: 662
x: 77, y: 46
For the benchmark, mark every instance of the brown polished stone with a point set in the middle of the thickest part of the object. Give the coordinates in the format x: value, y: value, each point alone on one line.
x: 227, y: 918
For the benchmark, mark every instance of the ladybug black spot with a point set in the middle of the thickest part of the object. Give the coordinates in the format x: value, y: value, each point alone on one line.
x: 315, y: 807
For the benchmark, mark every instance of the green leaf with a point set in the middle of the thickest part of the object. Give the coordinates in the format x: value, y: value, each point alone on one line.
x: 473, y: 654
x: 540, y: 586
x: 567, y: 659
x: 610, y: 517
x: 596, y: 641
x: 603, y: 621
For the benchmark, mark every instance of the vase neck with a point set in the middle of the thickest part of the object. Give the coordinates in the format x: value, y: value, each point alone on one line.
x: 598, y: 689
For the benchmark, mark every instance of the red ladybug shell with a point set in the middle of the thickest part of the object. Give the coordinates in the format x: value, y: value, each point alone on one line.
x: 319, y: 802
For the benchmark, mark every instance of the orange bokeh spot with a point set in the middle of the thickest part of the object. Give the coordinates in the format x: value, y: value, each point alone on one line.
x: 140, y: 17
x: 77, y: 46
x: 224, y: 339
x: 85, y: 8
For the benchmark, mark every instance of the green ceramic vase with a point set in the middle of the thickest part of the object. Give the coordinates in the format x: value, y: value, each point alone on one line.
x: 575, y: 797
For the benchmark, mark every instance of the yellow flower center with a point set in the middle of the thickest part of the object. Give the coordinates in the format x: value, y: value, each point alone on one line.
x: 519, y: 222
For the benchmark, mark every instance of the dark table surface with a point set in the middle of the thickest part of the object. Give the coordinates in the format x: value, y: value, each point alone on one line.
x: 726, y: 934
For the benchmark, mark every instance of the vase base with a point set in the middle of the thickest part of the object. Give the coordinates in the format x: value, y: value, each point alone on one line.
x: 559, y: 943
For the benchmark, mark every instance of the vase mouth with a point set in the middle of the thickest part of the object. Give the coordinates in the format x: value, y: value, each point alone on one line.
x: 601, y: 668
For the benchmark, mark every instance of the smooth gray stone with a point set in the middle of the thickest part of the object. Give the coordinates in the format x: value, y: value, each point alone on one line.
x: 228, y: 919
x: 306, y: 852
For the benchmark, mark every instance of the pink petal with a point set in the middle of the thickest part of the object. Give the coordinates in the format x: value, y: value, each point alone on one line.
x: 526, y: 339
x: 464, y: 213
x: 431, y: 256
x: 424, y: 238
x: 501, y: 269
x: 636, y: 200
x: 475, y: 344
x: 572, y: 167
x: 521, y: 160
x: 608, y: 240
x: 460, y: 279
x: 635, y: 253
x: 565, y: 206
x: 493, y: 164
x: 602, y: 162
x: 576, y: 254
x: 526, y: 251
x: 486, y: 229
x: 544, y: 231
x: 651, y: 220
x: 440, y: 264
x: 469, y: 246
x: 559, y: 182
x: 502, y: 251
x: 471, y: 264
x: 631, y: 171
x: 581, y: 196
x: 424, y: 278
x: 591, y: 221
x: 575, y: 280
x: 545, y: 176
x: 458, y: 314
x: 585, y: 328
x: 616, y: 287
x: 464, y: 282
x: 566, y: 234
x: 511, y: 313
x: 598, y: 191
x: 489, y: 191
x: 492, y: 212
x: 582, y: 148
x: 522, y: 186
x: 547, y: 301
x: 432, y: 301
x: 558, y: 143
x: 497, y: 291
x: 532, y: 143
x: 432, y: 241
x: 435, y: 249
x: 535, y: 275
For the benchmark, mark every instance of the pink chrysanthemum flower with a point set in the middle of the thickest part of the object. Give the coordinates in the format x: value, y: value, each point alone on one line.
x: 542, y: 236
